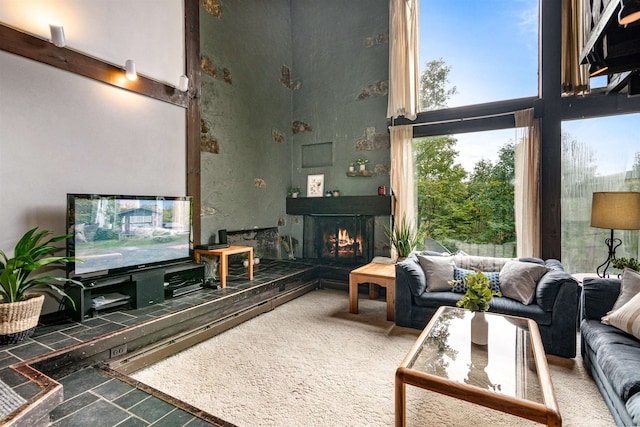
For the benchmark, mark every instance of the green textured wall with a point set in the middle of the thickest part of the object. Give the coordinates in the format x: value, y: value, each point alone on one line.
x: 337, y: 53
x: 245, y: 183
x: 340, y: 51
x: 341, y: 57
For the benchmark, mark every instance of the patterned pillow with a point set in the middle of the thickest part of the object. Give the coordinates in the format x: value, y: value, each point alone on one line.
x: 626, y: 318
x: 461, y: 274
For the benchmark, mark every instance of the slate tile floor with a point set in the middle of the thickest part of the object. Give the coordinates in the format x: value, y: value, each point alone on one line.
x: 92, y: 397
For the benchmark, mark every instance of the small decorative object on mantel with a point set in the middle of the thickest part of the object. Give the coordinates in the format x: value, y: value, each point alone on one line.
x: 294, y: 192
x: 327, y: 193
x: 352, y: 167
x: 315, y: 185
x: 19, y: 310
x: 335, y: 193
x: 476, y: 299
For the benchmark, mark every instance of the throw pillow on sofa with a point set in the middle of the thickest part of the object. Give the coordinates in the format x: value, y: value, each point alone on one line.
x: 629, y: 287
x: 439, y: 271
x: 480, y: 263
x: 459, y: 274
x: 518, y: 280
x: 626, y: 318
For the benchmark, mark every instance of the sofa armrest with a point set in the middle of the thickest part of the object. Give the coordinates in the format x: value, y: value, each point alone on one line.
x: 409, y: 274
x: 411, y: 270
x: 598, y: 297
x: 549, y: 286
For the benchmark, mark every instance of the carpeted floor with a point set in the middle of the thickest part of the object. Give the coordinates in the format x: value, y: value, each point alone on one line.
x: 310, y: 362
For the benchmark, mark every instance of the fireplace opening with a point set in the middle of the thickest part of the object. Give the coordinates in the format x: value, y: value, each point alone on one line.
x: 339, y: 238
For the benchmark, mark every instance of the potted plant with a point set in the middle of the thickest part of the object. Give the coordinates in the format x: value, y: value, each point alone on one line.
x: 622, y: 262
x: 294, y: 192
x: 256, y: 257
x: 476, y: 299
x: 20, y: 310
x: 352, y: 166
x: 402, y: 237
x: 362, y: 163
x: 335, y: 192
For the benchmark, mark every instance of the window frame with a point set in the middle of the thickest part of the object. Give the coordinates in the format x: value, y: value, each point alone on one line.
x: 550, y: 106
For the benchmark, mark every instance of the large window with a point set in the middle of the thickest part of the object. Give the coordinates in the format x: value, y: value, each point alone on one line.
x: 600, y: 154
x: 465, y: 191
x: 479, y: 60
x: 490, y: 48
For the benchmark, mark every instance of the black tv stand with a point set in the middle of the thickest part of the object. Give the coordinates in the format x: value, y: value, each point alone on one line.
x: 132, y: 290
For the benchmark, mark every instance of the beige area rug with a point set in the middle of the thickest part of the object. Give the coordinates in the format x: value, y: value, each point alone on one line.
x: 312, y: 363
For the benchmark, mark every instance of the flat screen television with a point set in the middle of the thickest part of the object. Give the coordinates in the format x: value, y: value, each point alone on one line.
x: 115, y: 234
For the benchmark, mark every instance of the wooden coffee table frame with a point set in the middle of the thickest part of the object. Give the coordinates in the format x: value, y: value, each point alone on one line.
x: 547, y: 413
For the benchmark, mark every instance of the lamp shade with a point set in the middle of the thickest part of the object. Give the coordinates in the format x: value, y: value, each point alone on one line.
x: 617, y: 210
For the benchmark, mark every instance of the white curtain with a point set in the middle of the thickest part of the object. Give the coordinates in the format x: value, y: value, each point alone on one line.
x: 527, y: 191
x: 402, y: 171
x: 403, y: 59
x: 575, y: 77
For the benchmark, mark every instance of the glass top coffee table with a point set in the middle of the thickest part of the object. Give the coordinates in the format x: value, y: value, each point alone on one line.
x: 509, y: 374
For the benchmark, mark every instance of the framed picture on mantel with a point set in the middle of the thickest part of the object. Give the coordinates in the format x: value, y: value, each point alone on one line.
x: 315, y: 185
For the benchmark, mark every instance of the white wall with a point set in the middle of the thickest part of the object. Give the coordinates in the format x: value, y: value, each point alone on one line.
x: 151, y: 32
x: 62, y: 133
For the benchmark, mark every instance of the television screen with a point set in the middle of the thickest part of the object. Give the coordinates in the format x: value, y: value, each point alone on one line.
x: 112, y: 234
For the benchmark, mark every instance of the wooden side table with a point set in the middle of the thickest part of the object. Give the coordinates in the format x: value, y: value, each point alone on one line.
x: 376, y: 275
x: 223, y: 254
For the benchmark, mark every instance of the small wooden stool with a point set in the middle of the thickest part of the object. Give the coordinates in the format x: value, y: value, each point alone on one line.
x: 223, y: 254
x: 376, y: 275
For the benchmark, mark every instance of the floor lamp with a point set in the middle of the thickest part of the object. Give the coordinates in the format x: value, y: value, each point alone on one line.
x: 615, y: 211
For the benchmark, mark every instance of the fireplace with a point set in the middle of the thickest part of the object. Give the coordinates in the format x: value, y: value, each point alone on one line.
x: 340, y: 229
x: 345, y: 239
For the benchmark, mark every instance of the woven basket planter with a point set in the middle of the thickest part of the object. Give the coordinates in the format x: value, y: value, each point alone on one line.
x: 19, y: 319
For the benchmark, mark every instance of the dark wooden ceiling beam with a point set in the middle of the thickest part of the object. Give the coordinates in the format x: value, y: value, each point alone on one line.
x: 41, y: 50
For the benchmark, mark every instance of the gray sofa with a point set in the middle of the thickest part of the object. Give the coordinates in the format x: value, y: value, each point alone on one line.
x: 554, y: 307
x: 611, y: 355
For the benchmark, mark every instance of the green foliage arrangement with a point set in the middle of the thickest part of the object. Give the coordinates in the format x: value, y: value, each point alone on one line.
x: 402, y: 237
x: 362, y: 161
x: 32, y: 253
x: 478, y: 294
x: 622, y: 262
x: 294, y: 190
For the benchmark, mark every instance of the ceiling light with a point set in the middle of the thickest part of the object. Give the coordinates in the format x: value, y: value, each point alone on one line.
x: 130, y: 70
x: 57, y: 34
x: 183, y: 83
x: 597, y: 69
x: 629, y: 11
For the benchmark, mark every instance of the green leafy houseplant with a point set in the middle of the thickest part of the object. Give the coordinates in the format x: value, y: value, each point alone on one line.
x: 294, y: 190
x: 478, y: 293
x: 622, y: 262
x: 402, y: 237
x: 32, y: 252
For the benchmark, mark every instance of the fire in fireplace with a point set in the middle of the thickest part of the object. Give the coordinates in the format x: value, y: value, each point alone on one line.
x: 341, y: 238
x: 341, y: 244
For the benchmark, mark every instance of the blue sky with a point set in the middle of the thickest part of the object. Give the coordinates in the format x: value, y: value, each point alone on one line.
x: 492, y: 48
